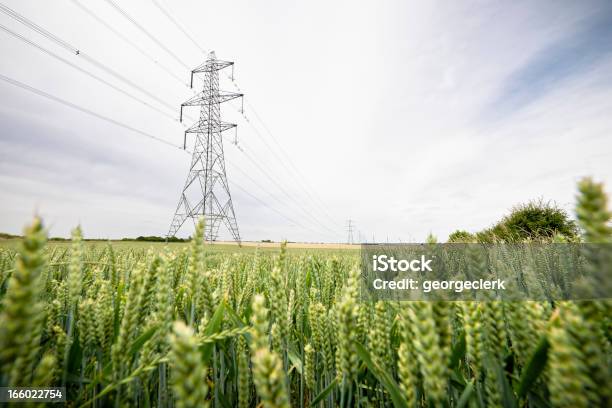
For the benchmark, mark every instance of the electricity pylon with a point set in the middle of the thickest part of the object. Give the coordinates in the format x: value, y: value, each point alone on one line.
x: 349, y: 230
x: 206, y: 192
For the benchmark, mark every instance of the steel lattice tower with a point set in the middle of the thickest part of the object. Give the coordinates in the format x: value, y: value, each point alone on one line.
x: 349, y: 230
x: 206, y: 192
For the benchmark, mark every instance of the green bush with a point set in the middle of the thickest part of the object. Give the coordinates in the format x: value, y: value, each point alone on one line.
x: 461, y: 236
x: 536, y: 220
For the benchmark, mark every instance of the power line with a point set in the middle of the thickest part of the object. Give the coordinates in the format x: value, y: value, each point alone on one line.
x: 262, y: 188
x: 252, y: 180
x: 273, y: 180
x: 84, y: 71
x: 148, y: 34
x: 129, y: 42
x: 297, y: 171
x: 300, y: 178
x: 74, y: 50
x: 284, y: 191
x: 82, y: 109
x: 13, y: 14
x: 271, y: 208
x: 279, y: 159
x: 178, y: 25
x: 265, y: 172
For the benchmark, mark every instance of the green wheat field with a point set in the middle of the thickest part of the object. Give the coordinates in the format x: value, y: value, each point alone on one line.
x: 193, y: 325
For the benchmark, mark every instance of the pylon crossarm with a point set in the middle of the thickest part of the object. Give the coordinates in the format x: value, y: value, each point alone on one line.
x: 212, y: 66
x: 228, y: 96
x: 199, y: 99
x: 196, y: 100
x: 205, y: 127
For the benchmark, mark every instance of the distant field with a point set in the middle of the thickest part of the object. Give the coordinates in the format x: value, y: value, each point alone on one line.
x: 221, y: 246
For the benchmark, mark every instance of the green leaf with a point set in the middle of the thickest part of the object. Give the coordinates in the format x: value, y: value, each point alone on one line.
x: 239, y: 322
x: 223, y: 400
x: 235, y: 317
x: 534, y: 367
x: 458, y: 352
x: 383, y: 377
x: 75, y: 355
x: 508, y: 399
x: 537, y: 401
x: 213, y: 326
x: 115, y: 385
x: 308, y: 278
x: 324, y: 393
x: 108, y: 368
x: 480, y: 395
x: 142, y: 339
x: 457, y: 380
x: 116, y: 317
x: 466, y: 395
x: 295, y: 359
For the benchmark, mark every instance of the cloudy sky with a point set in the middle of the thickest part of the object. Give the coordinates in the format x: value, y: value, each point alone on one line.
x: 406, y: 117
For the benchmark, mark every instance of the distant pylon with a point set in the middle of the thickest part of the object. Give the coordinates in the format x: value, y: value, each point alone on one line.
x: 349, y: 230
x: 206, y: 192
